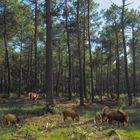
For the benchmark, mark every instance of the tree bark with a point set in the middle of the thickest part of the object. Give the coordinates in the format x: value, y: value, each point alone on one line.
x: 20, y: 65
x: 69, y: 50
x: 134, y: 61
x: 84, y: 56
x: 80, y: 60
x: 35, y: 43
x: 49, y: 73
x: 110, y: 67
x: 6, y: 53
x: 31, y: 65
x: 59, y: 72
x: 91, y: 65
x: 125, y: 56
x: 117, y: 63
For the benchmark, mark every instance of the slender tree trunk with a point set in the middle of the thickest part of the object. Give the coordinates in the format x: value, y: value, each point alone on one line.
x: 125, y: 57
x: 59, y: 72
x: 73, y: 77
x: 69, y: 50
x: 31, y: 65
x: 107, y: 79
x: 35, y: 43
x: 6, y: 53
x: 110, y: 68
x: 80, y: 60
x: 1, y: 79
x: 96, y: 80
x: 101, y: 74
x: 49, y: 71
x: 84, y: 56
x: 91, y: 65
x: 20, y: 65
x: 117, y: 63
x: 62, y: 81
x: 28, y: 70
x: 134, y: 61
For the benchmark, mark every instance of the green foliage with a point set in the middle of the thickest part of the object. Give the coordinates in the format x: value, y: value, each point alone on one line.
x: 31, y: 130
x: 5, y: 134
x: 132, y: 133
x: 76, y: 100
x: 77, y: 133
x: 82, y: 133
x: 37, y: 127
x: 57, y: 135
x: 57, y: 109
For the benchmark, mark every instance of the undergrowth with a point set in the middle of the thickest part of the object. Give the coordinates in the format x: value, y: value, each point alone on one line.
x: 52, y: 127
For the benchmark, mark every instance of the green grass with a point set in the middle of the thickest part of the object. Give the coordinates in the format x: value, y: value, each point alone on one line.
x: 88, y: 111
x: 57, y: 135
x: 5, y: 134
x: 134, y: 134
x: 75, y: 133
x: 36, y: 129
x: 32, y: 131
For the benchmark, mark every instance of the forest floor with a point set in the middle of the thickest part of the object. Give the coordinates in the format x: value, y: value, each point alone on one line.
x: 37, y: 125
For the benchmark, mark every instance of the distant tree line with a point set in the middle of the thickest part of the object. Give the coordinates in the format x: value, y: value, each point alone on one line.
x: 69, y: 49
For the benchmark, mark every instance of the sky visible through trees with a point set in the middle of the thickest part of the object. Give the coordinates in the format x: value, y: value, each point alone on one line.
x: 86, y: 42
x: 105, y: 4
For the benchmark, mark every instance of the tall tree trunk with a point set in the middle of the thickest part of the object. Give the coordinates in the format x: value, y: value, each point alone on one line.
x: 117, y: 63
x: 73, y: 77
x: 62, y: 81
x: 101, y: 74
x: 28, y: 70
x: 35, y: 43
x: 1, y: 79
x: 80, y: 60
x: 31, y: 65
x: 107, y: 79
x: 91, y: 65
x: 59, y: 72
x: 49, y: 72
x: 62, y: 73
x: 20, y: 65
x: 69, y: 50
x: 110, y: 68
x: 134, y: 61
x: 6, y: 53
x: 84, y: 55
x: 125, y: 56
